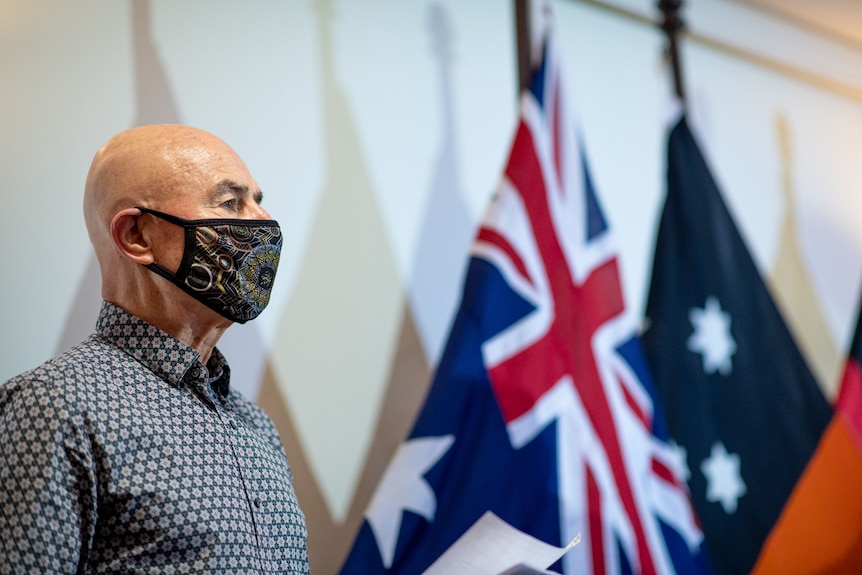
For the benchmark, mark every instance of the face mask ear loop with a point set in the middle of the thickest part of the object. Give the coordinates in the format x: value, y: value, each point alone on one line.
x: 189, y: 231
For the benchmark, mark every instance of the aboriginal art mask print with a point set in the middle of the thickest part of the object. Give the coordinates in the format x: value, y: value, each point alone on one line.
x: 228, y: 265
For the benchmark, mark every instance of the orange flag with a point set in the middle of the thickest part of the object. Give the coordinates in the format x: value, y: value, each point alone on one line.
x: 820, y: 528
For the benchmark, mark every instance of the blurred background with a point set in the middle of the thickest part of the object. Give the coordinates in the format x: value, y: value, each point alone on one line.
x: 378, y: 130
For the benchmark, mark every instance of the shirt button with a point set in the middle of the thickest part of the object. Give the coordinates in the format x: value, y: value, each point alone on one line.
x: 233, y: 423
x: 257, y: 502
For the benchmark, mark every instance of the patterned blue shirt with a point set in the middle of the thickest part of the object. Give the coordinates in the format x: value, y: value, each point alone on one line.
x: 126, y: 454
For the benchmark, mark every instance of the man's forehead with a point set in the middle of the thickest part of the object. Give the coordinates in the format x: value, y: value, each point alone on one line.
x: 189, y: 154
x: 216, y: 167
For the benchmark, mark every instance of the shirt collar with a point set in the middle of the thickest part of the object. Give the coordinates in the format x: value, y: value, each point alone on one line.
x: 167, y: 357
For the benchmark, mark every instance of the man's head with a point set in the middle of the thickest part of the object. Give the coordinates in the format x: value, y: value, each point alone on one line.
x: 178, y: 170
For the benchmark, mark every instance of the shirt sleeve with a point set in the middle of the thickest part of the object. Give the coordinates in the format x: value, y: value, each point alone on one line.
x: 47, y: 481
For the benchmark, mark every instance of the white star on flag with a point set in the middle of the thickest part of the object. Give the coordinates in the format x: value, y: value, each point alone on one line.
x: 680, y: 459
x: 712, y: 337
x: 723, y: 480
x: 402, y: 488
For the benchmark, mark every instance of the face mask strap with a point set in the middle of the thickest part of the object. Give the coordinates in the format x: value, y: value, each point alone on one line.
x: 164, y: 272
x: 167, y: 217
x: 209, y: 221
x: 189, y: 231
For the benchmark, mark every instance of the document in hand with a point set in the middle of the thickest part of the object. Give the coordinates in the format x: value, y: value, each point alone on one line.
x: 493, y: 547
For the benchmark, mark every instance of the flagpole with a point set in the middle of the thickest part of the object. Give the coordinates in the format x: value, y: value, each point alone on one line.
x: 522, y: 34
x: 531, y: 21
x: 672, y: 24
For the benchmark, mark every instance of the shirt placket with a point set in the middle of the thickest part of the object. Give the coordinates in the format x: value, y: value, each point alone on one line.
x: 234, y: 431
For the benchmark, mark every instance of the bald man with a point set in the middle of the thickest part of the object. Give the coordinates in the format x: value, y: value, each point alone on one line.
x: 130, y: 452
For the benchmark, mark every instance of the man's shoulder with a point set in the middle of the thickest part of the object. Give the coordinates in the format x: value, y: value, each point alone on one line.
x: 75, y: 362
x: 64, y: 375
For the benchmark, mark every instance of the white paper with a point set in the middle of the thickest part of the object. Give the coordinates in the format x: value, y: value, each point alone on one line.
x: 492, y: 546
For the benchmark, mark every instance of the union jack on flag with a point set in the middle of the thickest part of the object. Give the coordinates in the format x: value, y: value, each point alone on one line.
x: 542, y: 409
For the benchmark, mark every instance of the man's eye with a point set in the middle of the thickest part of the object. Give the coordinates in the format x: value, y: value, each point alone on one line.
x: 230, y: 204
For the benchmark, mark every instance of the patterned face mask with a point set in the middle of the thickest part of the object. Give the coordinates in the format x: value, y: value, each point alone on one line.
x: 228, y: 264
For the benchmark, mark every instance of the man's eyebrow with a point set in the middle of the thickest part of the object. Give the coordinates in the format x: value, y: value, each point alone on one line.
x: 230, y: 187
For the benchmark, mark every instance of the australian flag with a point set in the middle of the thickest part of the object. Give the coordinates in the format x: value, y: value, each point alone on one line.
x: 541, y: 409
x: 738, y: 395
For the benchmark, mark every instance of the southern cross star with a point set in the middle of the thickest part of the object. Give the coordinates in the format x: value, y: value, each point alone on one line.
x: 680, y: 460
x: 723, y: 480
x: 402, y: 488
x: 712, y: 337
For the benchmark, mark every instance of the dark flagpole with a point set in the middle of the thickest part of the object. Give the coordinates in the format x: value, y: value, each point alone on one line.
x: 522, y: 34
x: 671, y: 24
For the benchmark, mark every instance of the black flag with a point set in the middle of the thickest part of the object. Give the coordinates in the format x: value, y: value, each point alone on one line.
x: 739, y: 398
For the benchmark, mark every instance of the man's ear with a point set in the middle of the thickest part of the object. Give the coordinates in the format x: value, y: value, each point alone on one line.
x: 129, y: 237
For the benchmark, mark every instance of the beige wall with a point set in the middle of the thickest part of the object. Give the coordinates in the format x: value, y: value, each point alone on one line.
x: 378, y: 129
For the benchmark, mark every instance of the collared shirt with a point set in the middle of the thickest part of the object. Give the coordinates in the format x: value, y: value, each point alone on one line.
x: 127, y: 455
